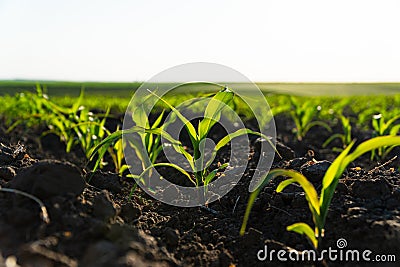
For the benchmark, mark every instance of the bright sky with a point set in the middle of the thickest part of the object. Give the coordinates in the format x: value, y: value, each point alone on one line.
x: 308, y: 40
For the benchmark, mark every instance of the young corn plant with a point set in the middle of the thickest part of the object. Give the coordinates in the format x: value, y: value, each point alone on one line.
x: 303, y: 117
x: 212, y: 114
x: 151, y: 139
x: 75, y: 125
x: 29, y: 107
x: 382, y: 128
x: 114, y: 144
x: 117, y: 154
x: 344, y: 137
x: 318, y: 205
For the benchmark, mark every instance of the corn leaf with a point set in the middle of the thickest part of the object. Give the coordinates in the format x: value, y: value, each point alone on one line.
x: 172, y: 165
x: 250, y: 203
x: 304, y: 229
x: 316, y: 123
x: 389, y: 123
x: 297, y: 177
x: 213, y: 111
x: 189, y: 127
x: 330, y: 181
x: 226, y: 139
x: 331, y: 138
x: 372, y: 144
x: 212, y: 174
x: 158, y: 120
x: 253, y: 196
x: 395, y: 130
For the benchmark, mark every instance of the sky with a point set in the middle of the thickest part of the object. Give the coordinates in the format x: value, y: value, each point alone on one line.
x: 271, y: 41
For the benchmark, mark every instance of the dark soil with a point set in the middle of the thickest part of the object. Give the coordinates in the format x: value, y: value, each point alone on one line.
x: 97, y: 224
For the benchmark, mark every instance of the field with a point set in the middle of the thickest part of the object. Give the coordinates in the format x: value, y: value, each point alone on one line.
x: 67, y: 196
x: 58, y: 88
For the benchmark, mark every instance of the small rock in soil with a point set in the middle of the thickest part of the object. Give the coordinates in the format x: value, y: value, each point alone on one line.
x: 171, y: 236
x: 286, y: 152
x: 356, y: 211
x: 9, y: 154
x: 6, y: 155
x: 130, y: 211
x: 371, y: 188
x: 103, y: 207
x: 9, y: 261
x: 296, y: 163
x: 49, y: 178
x: 7, y: 173
x: 315, y: 171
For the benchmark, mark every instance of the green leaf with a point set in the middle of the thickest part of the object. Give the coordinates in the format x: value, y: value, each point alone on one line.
x: 331, y: 138
x: 308, y: 111
x: 309, y: 190
x: 213, y: 111
x: 75, y: 107
x: 335, y: 168
x: 123, y: 169
x: 158, y: 120
x: 140, y: 118
x: 282, y: 185
x: 253, y: 196
x: 102, y: 147
x: 316, y: 123
x: 372, y: 144
x: 395, y: 130
x: 304, y: 229
x: 189, y: 127
x: 250, y: 203
x: 339, y: 165
x: 226, y: 139
x: 375, y: 125
x: 212, y: 174
x: 172, y: 165
x: 387, y: 125
x: 330, y: 181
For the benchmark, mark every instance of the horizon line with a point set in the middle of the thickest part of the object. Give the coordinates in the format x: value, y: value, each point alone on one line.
x: 139, y: 81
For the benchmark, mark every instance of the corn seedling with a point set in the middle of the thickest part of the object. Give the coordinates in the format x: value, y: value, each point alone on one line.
x: 113, y: 143
x: 74, y: 125
x: 117, y: 154
x: 29, y: 107
x: 303, y: 117
x: 151, y: 139
x: 344, y: 137
x: 318, y: 206
x: 382, y: 128
x: 212, y: 114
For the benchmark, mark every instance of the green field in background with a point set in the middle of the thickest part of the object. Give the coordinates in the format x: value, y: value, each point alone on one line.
x: 114, y: 89
x: 365, y: 101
